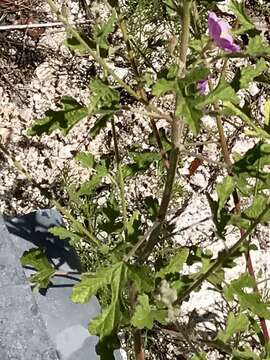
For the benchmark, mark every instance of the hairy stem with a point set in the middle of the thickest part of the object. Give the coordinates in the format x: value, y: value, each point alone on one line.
x: 176, y: 137
x: 120, y: 181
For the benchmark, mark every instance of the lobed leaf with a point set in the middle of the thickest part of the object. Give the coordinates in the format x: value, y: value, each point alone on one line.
x: 176, y: 263
x: 38, y: 260
x: 101, y: 31
x: 142, y: 277
x: 238, y: 8
x: 223, y: 92
x: 110, y: 318
x: 257, y: 47
x: 235, y: 324
x: 70, y: 114
x: 90, y: 284
x: 85, y: 159
x: 163, y: 86
x: 64, y: 234
x: 89, y: 186
x: 250, y: 72
x: 145, y: 314
x: 186, y: 110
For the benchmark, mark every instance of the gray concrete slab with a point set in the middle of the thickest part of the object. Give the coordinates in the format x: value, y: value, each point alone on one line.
x: 66, y: 323
x: 23, y: 335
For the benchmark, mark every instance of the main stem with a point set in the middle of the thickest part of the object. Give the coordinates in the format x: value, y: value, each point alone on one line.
x: 176, y: 136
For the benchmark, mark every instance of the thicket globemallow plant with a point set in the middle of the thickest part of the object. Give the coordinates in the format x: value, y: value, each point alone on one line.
x: 219, y: 33
x: 136, y: 267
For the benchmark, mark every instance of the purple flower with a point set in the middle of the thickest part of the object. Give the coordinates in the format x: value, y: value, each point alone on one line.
x: 202, y: 86
x: 219, y: 32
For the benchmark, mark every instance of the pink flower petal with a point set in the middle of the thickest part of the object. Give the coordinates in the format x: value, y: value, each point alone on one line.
x: 219, y: 32
x: 227, y: 45
x: 213, y: 25
x: 224, y: 28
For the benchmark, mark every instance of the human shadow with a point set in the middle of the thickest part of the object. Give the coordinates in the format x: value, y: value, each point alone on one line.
x: 32, y: 231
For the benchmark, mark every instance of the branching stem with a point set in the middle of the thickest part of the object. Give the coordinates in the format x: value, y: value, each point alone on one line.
x: 236, y: 200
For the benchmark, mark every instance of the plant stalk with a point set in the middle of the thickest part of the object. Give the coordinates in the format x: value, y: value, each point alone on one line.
x: 120, y: 177
x: 176, y: 137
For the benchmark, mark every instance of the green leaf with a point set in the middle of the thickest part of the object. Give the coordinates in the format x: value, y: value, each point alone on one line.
x: 111, y: 317
x: 142, y: 162
x: 38, y: 260
x: 237, y: 220
x: 64, y: 234
x: 89, y: 186
x: 257, y: 47
x: 102, y: 31
x: 145, y: 314
x: 74, y: 44
x: 251, y: 301
x: 260, y: 202
x: 235, y: 324
x: 223, y: 92
x: 133, y: 227
x: 186, y: 110
x: 99, y: 124
x: 224, y: 191
x: 176, y: 263
x: 221, y: 220
x: 106, y: 346
x: 256, y: 130
x: 105, y: 99
x: 163, y: 86
x: 142, y: 277
x: 90, y: 284
x: 249, y: 167
x: 249, y: 72
x: 246, y: 354
x: 238, y: 8
x: 86, y: 160
x: 112, y: 222
x: 70, y: 114
x: 248, y: 163
x: 151, y: 205
x: 194, y: 75
x: 200, y: 356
